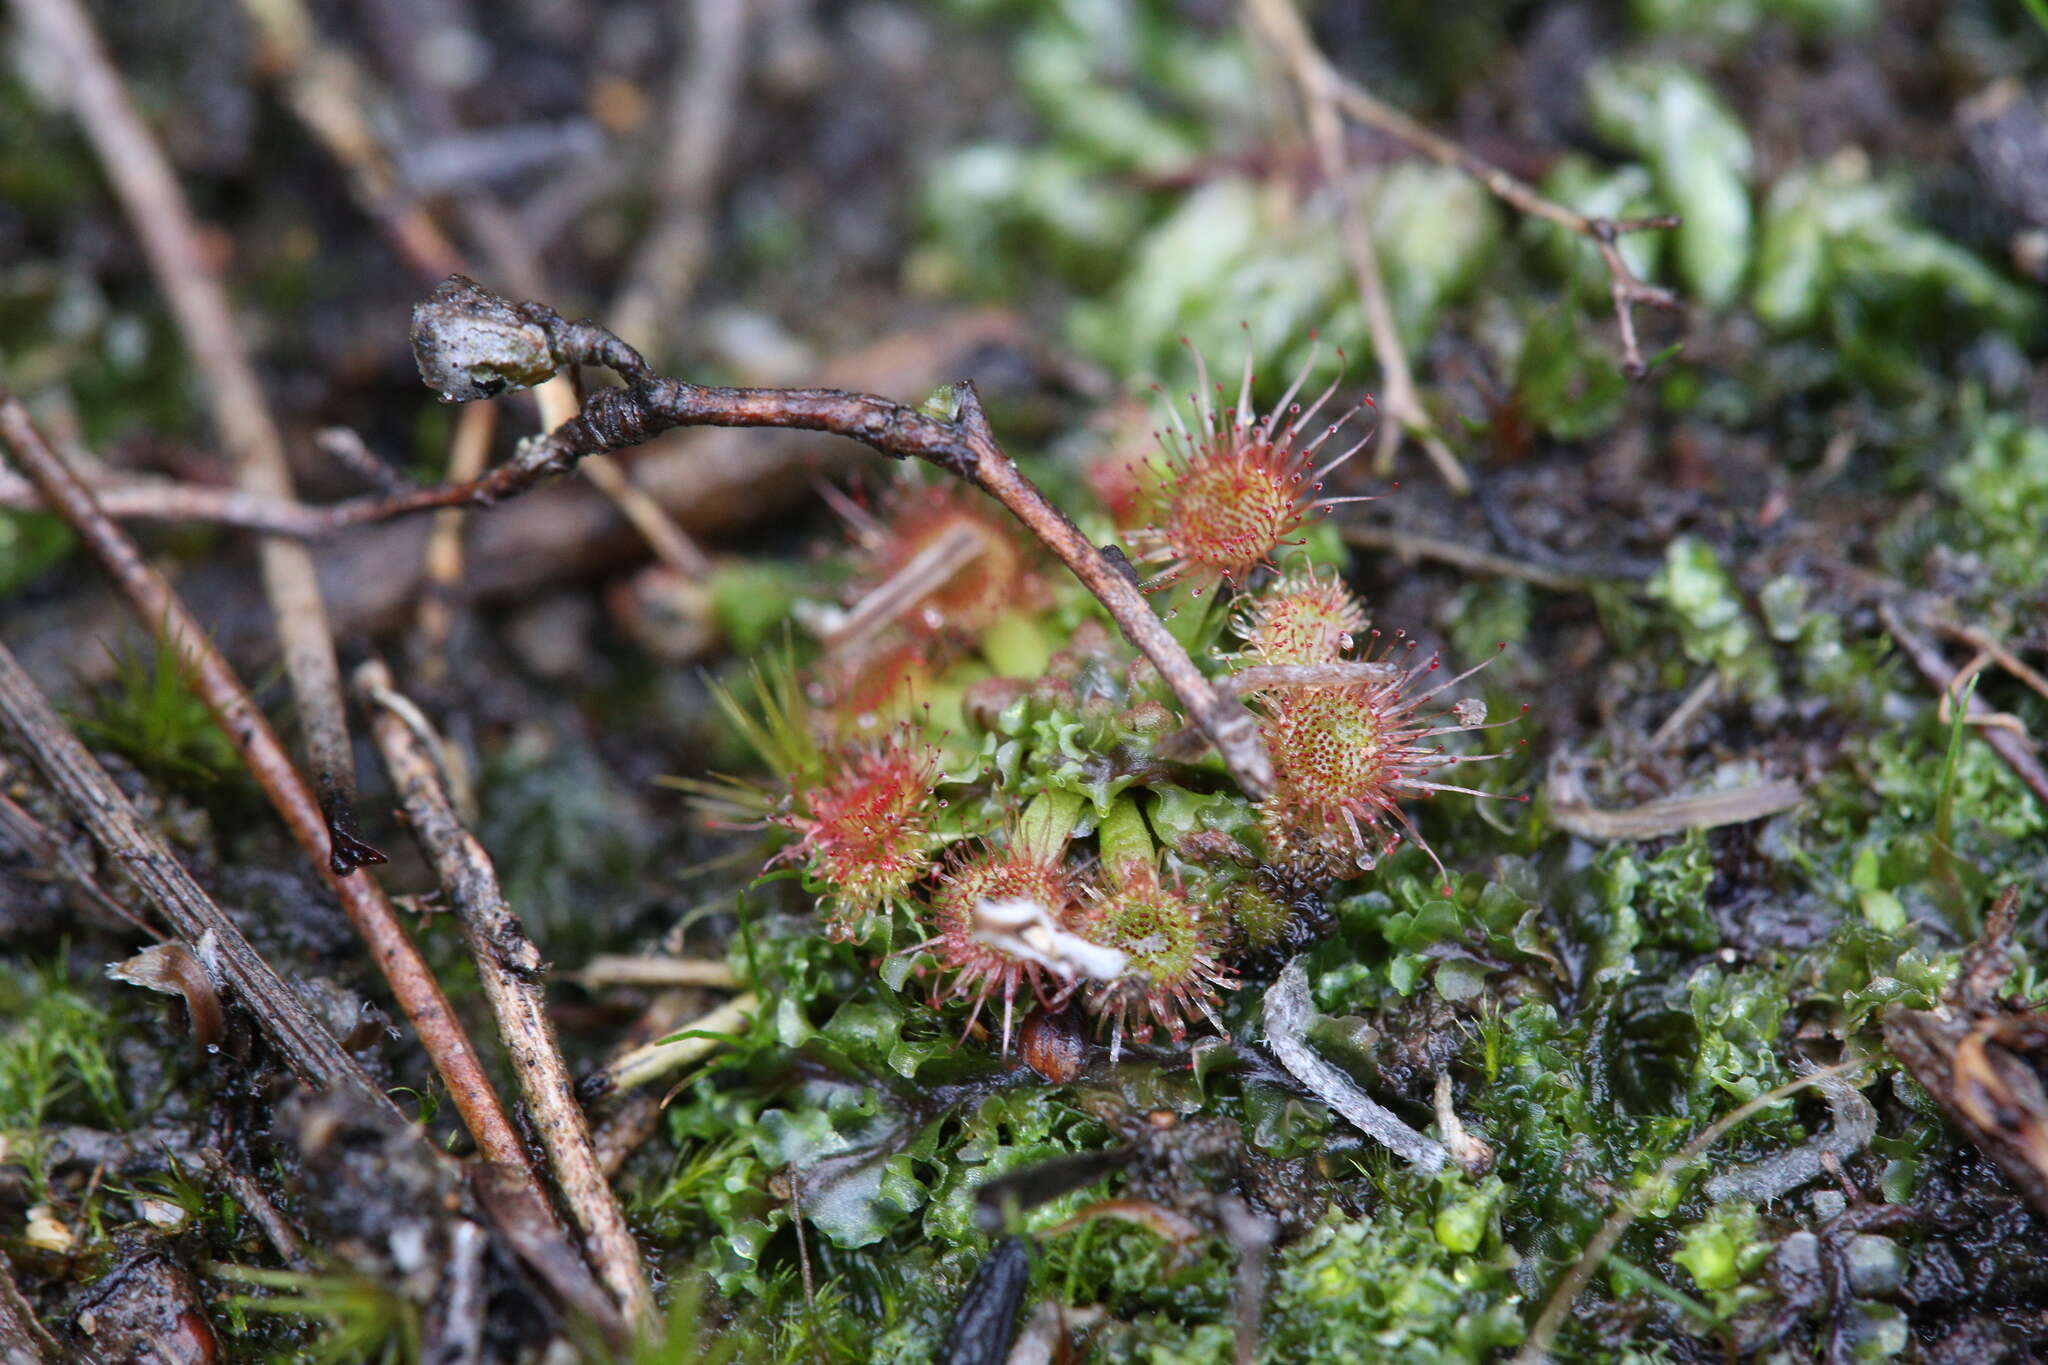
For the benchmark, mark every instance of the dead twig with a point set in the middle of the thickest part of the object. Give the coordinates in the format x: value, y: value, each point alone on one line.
x: 282, y: 1236
x: 1624, y: 287
x: 159, y: 609
x: 1317, y: 83
x: 304, y: 1045
x: 164, y: 500
x: 1992, y: 649
x: 1627, y: 291
x: 702, y: 106
x: 326, y: 89
x: 23, y: 1338
x: 442, y: 563
x: 163, y: 220
x: 1410, y: 547
x: 473, y: 344
x: 511, y: 971
x: 1686, y: 712
x: 2019, y: 754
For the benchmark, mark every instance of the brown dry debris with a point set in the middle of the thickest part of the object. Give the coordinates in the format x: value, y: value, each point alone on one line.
x: 1982, y: 1059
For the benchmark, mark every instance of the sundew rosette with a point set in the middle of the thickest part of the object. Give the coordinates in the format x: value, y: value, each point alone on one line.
x: 1350, y: 742
x: 1232, y: 487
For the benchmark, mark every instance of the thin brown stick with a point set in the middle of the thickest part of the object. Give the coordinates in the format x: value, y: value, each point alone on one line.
x: 702, y: 106
x: 1992, y: 647
x: 471, y: 343
x: 282, y: 1236
x: 1399, y: 399
x: 129, y: 843
x: 1630, y: 1207
x: 160, y: 611
x: 163, y: 220
x: 1624, y: 287
x: 511, y: 971
x: 442, y: 563
x: 2018, y: 753
x: 164, y: 500
x: 325, y: 90
x: 1679, y: 722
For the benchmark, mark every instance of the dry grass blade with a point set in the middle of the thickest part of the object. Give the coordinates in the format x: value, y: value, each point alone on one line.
x: 613, y: 969
x: 1677, y: 814
x: 1398, y: 399
x: 653, y: 1060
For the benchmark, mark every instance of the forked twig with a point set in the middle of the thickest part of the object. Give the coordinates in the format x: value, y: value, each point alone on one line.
x: 2014, y: 748
x: 1625, y: 288
x: 1284, y: 28
x: 473, y: 344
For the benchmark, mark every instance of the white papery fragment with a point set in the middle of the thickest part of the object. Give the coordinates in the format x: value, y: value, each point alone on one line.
x: 1289, y: 1011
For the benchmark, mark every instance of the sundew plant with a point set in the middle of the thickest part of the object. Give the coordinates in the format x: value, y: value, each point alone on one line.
x: 997, y: 798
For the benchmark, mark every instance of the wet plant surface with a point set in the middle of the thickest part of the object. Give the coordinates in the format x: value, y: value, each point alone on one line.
x: 1630, y: 947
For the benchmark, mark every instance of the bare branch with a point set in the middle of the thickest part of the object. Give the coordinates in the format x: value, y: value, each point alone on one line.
x: 1399, y: 399
x: 471, y: 343
x: 1624, y: 287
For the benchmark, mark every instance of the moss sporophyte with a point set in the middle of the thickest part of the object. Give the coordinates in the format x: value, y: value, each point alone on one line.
x: 1001, y: 803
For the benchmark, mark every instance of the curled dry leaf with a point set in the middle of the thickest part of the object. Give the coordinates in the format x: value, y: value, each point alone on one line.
x: 173, y: 969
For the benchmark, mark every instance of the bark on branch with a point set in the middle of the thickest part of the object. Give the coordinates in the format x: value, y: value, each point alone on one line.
x: 473, y: 344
